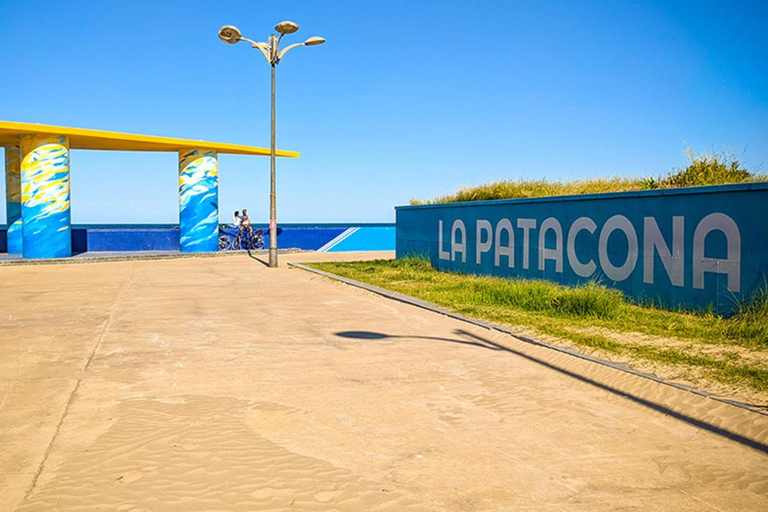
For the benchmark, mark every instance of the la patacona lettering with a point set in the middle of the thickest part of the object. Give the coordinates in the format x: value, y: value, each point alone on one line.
x: 529, y: 243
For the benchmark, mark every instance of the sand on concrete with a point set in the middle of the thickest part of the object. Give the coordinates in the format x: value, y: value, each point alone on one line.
x: 220, y: 384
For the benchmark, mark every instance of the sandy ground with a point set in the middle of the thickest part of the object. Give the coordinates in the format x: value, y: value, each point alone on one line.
x: 219, y: 384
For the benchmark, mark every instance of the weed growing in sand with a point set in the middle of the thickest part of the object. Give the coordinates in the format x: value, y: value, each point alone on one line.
x: 751, y: 319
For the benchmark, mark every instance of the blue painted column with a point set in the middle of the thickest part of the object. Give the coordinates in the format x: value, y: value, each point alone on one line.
x: 46, y: 226
x: 13, y: 197
x: 198, y: 200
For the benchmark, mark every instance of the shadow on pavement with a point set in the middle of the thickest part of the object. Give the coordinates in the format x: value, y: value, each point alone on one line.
x: 265, y: 263
x: 479, y: 341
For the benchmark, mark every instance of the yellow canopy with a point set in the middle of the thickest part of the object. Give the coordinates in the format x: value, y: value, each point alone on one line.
x: 80, y: 138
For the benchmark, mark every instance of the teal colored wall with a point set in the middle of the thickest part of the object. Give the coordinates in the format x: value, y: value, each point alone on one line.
x: 694, y: 248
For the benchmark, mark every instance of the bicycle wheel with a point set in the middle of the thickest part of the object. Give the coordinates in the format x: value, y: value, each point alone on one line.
x: 225, y: 242
x: 256, y: 242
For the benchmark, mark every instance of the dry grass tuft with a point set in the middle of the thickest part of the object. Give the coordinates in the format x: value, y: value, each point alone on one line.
x: 704, y: 169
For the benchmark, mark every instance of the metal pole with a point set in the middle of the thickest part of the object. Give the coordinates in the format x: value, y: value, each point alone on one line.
x: 272, y: 205
x: 231, y: 35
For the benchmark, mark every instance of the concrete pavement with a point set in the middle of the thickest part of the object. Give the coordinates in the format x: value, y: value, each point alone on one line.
x: 220, y: 384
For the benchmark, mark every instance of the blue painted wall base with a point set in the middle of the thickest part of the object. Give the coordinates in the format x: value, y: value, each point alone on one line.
x: 325, y: 237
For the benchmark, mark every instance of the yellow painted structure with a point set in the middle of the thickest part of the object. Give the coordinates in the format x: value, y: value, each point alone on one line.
x: 44, y: 205
x: 81, y: 138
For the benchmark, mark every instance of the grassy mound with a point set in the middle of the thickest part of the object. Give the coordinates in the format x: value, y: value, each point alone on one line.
x: 705, y: 169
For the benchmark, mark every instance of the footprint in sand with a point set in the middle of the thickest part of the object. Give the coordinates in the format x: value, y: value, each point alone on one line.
x: 130, y: 477
x: 326, y: 496
x: 266, y: 493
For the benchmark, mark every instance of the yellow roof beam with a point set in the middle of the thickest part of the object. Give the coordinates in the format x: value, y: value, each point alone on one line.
x: 81, y: 138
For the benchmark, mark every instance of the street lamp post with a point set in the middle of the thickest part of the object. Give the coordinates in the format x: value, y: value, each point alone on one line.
x: 271, y: 51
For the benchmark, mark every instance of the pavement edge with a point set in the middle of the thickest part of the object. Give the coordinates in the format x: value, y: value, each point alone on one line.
x: 407, y: 299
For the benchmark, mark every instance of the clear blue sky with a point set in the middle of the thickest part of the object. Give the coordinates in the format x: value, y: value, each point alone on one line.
x: 407, y: 98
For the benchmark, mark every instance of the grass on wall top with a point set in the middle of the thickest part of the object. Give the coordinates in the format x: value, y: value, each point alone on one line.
x: 704, y: 169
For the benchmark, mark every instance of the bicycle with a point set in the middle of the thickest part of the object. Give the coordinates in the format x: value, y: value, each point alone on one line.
x: 233, y: 238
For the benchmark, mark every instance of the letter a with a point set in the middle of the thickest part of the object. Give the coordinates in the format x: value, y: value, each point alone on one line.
x: 731, y: 266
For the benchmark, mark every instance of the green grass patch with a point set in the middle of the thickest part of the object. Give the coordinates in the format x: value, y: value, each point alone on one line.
x: 584, y: 314
x: 751, y: 318
x: 518, y: 189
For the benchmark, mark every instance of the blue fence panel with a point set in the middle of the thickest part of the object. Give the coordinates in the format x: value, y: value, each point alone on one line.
x: 299, y: 237
x: 367, y: 239
x: 165, y: 237
x: 693, y: 248
x: 161, y: 239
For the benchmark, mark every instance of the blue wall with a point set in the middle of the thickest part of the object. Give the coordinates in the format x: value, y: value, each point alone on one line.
x: 333, y: 237
x: 326, y: 237
x: 693, y: 248
x: 302, y: 237
x: 124, y: 239
x: 366, y: 238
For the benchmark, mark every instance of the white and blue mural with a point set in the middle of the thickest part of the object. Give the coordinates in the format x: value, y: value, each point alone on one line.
x: 45, y: 196
x: 699, y: 247
x: 198, y: 201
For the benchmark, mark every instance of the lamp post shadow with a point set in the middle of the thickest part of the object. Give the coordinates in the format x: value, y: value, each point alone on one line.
x: 481, y: 342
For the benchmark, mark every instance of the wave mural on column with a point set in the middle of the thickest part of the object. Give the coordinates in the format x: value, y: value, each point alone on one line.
x: 45, y: 196
x: 198, y: 201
